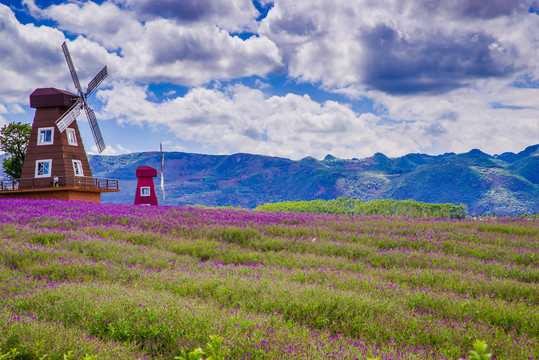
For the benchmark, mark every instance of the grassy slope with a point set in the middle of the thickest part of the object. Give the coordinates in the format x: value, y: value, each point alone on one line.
x: 122, y: 282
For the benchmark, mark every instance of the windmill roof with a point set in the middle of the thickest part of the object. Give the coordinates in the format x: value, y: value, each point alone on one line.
x: 146, y: 171
x: 51, y: 97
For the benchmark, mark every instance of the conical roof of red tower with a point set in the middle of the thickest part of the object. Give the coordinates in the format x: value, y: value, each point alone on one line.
x: 51, y: 97
x: 146, y: 171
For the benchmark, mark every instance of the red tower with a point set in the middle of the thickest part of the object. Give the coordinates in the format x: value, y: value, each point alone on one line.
x: 145, y: 188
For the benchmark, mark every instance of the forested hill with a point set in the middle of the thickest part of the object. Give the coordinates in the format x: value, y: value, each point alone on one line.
x: 506, y: 183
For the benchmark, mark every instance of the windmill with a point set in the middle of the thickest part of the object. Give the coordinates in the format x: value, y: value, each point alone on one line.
x: 161, y: 172
x: 145, y: 193
x: 80, y: 102
x: 56, y: 165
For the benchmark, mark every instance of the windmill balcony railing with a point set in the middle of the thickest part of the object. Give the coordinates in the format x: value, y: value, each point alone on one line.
x: 63, y: 181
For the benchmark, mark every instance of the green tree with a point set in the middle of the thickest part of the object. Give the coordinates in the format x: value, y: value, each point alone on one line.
x: 14, y: 139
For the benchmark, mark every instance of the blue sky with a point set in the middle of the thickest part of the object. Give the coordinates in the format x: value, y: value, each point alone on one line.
x: 285, y: 78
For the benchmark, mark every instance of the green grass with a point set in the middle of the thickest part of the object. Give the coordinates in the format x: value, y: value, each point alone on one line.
x: 386, y: 207
x: 155, y: 283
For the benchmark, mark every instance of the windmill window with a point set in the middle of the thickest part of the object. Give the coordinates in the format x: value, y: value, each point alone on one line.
x: 77, y: 168
x: 71, y: 137
x: 43, y: 168
x: 145, y: 191
x: 45, y: 136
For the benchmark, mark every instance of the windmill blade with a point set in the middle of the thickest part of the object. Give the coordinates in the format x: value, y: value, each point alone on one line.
x: 96, y: 81
x: 71, y: 68
x: 95, y: 129
x: 69, y: 116
x: 163, y: 185
x: 162, y: 157
x: 162, y: 170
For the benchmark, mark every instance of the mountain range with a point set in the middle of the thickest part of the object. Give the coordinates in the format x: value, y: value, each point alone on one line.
x: 504, y: 184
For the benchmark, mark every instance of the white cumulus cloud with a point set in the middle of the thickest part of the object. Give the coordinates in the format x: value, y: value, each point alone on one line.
x: 242, y: 119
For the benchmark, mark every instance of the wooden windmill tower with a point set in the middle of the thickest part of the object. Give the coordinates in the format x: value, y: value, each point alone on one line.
x: 56, y: 165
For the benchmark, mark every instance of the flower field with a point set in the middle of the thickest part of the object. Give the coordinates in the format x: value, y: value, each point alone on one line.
x: 127, y: 282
